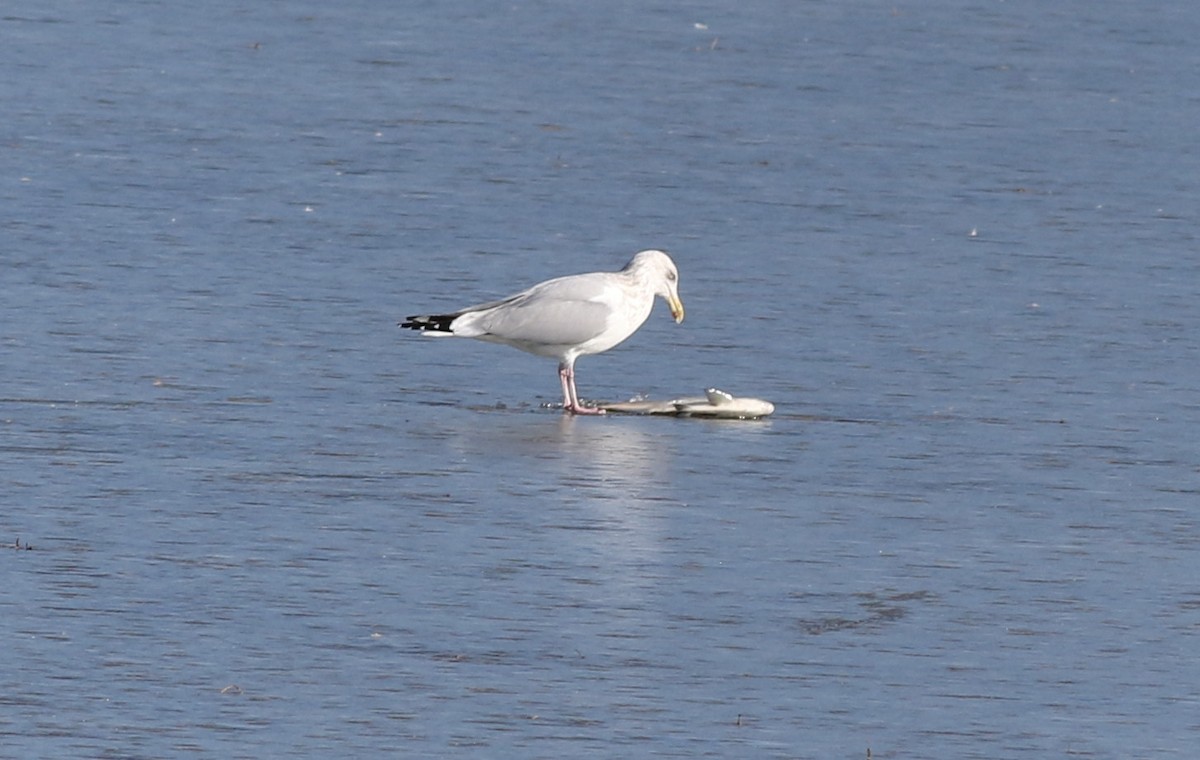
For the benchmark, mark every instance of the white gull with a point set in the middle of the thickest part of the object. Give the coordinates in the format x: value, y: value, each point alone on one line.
x: 568, y: 317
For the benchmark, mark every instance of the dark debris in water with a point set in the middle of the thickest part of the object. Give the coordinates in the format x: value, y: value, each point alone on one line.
x: 20, y: 546
x: 876, y: 610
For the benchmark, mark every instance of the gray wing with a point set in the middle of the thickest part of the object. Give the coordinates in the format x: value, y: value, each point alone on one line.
x: 557, y: 323
x: 563, y: 312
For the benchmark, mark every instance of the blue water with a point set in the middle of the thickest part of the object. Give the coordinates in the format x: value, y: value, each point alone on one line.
x: 247, y: 516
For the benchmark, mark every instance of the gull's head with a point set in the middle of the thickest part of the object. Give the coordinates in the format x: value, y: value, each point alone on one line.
x: 656, y: 268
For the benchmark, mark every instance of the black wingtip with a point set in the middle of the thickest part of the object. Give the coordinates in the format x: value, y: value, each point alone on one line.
x: 437, y: 323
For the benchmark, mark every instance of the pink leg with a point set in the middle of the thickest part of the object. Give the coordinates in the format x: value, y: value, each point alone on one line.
x: 563, y: 374
x: 566, y: 374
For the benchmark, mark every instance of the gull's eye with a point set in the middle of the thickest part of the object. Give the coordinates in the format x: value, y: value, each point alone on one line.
x: 672, y: 276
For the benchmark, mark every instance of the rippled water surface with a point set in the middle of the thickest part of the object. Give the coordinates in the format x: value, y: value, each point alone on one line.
x: 245, y: 515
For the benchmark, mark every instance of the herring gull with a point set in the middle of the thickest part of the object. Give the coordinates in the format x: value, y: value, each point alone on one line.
x: 568, y: 317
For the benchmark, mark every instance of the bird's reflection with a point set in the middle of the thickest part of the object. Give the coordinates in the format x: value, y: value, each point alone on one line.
x: 611, y: 452
x: 604, y: 485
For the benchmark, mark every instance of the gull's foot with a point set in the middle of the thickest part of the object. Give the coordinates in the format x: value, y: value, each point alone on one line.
x: 581, y: 409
